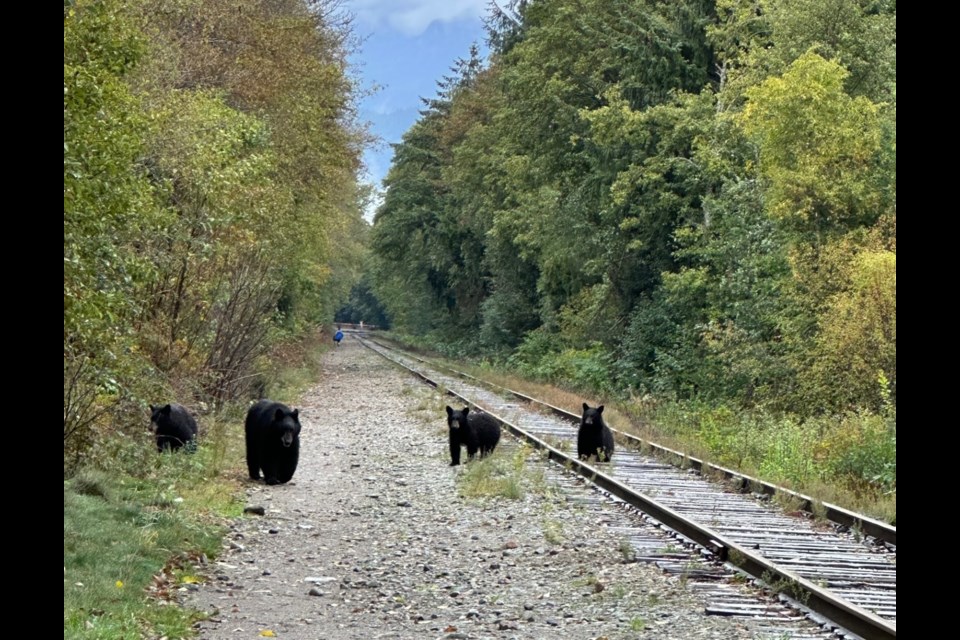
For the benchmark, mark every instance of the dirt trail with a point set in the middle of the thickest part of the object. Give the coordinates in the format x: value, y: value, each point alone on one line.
x: 374, y: 526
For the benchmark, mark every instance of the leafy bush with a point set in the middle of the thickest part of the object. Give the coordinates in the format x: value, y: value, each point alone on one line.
x: 785, y: 452
x: 537, y: 347
x: 858, y: 450
x: 543, y: 357
x: 861, y: 452
x: 495, y: 476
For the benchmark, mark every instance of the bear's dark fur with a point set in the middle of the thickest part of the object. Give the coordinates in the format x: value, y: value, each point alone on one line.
x: 174, y: 426
x: 273, y: 441
x: 476, y: 430
x: 594, y: 439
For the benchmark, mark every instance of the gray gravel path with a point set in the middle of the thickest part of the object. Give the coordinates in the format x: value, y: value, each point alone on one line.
x: 372, y: 539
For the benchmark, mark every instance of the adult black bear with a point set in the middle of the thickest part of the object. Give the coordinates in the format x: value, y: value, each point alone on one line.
x: 594, y: 439
x: 477, y: 431
x: 273, y: 441
x: 174, y: 427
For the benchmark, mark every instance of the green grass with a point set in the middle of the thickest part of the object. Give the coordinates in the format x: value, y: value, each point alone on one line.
x: 493, y: 476
x: 627, y: 552
x: 120, y: 530
x: 553, y: 531
x: 499, y: 475
x: 590, y: 580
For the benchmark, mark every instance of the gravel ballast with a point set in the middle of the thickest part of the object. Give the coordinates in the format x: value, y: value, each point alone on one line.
x: 373, y: 538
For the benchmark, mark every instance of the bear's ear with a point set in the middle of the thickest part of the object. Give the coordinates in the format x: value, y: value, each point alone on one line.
x: 466, y: 410
x: 295, y: 414
x: 585, y: 406
x: 449, y: 410
x: 166, y: 410
x: 599, y: 409
x: 278, y: 416
x: 152, y: 408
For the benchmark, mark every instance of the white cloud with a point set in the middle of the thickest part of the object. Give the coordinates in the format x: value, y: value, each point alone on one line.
x: 412, y: 17
x: 383, y: 107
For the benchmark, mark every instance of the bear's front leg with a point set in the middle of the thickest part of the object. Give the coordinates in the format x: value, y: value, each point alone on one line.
x: 270, y: 470
x: 253, y: 464
x: 454, y: 452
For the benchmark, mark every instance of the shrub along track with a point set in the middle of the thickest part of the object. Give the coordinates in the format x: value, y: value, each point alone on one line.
x: 847, y: 577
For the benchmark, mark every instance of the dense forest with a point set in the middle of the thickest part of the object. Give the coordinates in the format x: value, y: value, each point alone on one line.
x: 685, y: 206
x: 211, y: 210
x: 690, y: 205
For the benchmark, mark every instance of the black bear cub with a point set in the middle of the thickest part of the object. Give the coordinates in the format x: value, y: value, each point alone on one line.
x: 594, y: 439
x: 273, y: 441
x: 174, y: 427
x: 476, y: 430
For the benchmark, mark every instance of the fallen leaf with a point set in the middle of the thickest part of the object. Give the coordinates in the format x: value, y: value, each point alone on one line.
x: 119, y: 584
x: 189, y: 580
x: 266, y: 633
x: 450, y: 629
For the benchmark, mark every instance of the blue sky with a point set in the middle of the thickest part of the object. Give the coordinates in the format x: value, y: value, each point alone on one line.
x: 407, y: 46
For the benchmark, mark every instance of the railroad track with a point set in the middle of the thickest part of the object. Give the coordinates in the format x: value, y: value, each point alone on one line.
x: 844, y: 573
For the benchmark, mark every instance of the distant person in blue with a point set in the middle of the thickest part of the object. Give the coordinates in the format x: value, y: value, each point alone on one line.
x: 338, y: 336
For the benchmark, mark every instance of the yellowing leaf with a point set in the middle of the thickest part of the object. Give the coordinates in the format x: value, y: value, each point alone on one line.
x: 266, y: 633
x: 189, y: 580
